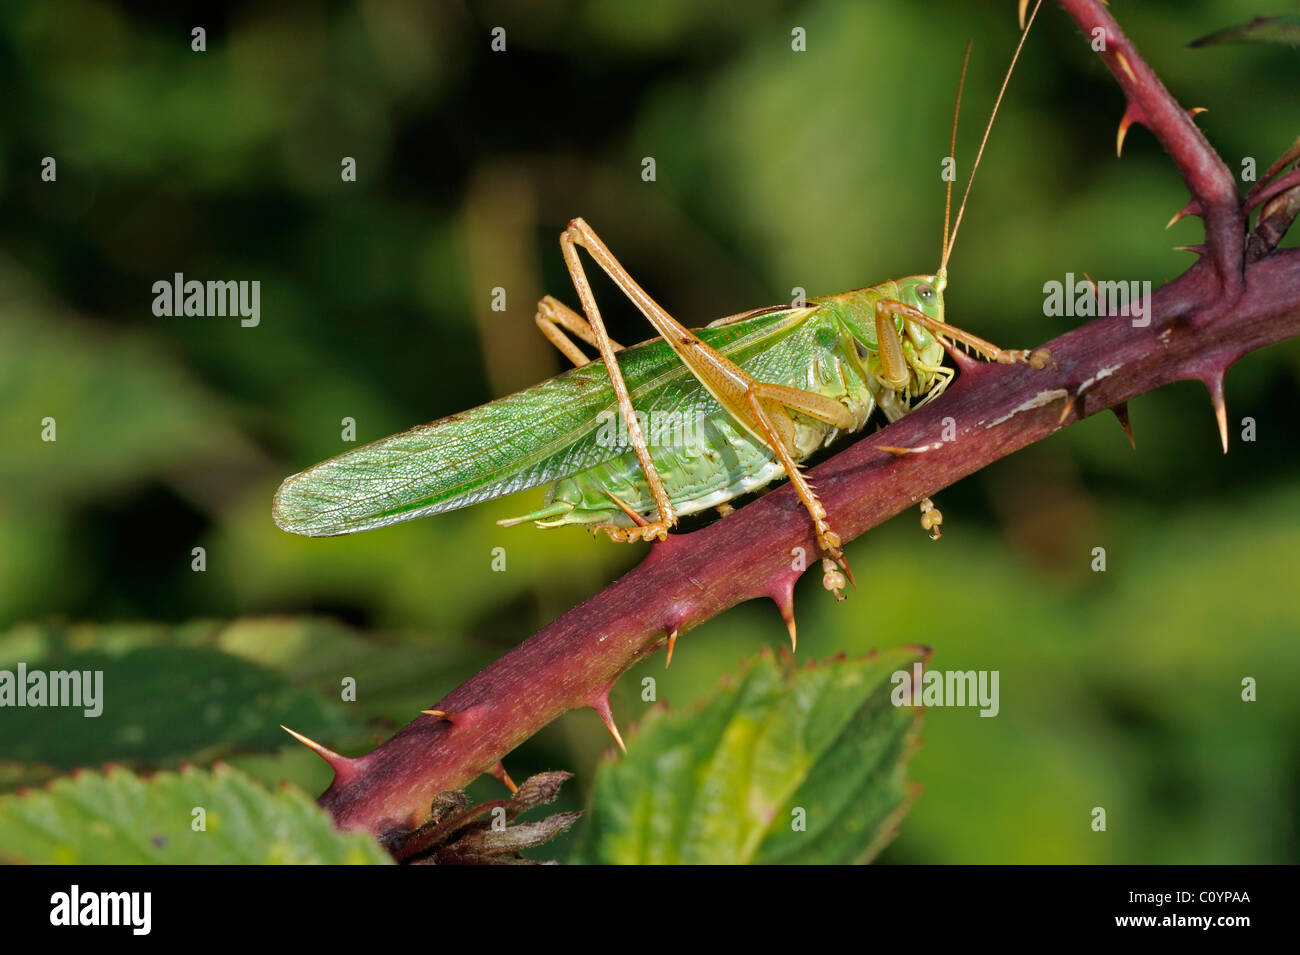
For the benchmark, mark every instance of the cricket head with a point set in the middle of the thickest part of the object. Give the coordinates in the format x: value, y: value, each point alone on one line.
x: 924, y: 293
x: 907, y: 357
x: 922, y: 351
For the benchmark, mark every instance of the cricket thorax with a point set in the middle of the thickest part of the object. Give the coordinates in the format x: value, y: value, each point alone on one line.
x: 921, y: 351
x: 834, y: 353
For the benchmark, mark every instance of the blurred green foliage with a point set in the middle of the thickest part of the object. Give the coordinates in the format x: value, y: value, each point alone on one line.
x: 775, y: 169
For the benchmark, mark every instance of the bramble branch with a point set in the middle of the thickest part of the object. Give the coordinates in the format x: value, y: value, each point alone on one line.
x: 1197, y: 325
x: 1214, y: 192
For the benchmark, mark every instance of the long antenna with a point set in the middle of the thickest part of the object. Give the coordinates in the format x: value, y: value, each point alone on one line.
x: 952, y: 150
x: 950, y: 240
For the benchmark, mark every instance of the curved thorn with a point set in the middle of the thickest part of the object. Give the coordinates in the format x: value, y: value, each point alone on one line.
x: 343, y: 767
x: 1215, y: 385
x: 1065, y: 412
x: 1125, y: 122
x: 787, y: 614
x: 499, y: 771
x: 1123, y: 61
x: 900, y: 452
x: 324, y: 752
x: 781, y: 590
x: 600, y: 704
x: 1121, y: 412
x: 1192, y: 208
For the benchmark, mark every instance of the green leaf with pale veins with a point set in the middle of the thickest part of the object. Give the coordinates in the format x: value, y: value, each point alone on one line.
x: 118, y: 817
x: 724, y: 783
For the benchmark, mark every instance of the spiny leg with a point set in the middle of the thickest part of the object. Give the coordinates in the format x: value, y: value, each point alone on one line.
x: 895, y: 407
x: 891, y: 358
x: 887, y: 308
x: 641, y: 530
x: 944, y: 376
x: 730, y: 384
x: 778, y: 431
x: 667, y: 516
x: 554, y: 318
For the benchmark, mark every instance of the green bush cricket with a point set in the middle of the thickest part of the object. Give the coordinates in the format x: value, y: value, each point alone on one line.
x: 745, y: 399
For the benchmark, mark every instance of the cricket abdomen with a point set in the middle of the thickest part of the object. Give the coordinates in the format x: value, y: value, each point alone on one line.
x: 703, y: 456
x: 695, y: 479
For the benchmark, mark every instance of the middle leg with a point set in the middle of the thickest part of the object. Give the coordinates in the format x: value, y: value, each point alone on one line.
x: 734, y: 388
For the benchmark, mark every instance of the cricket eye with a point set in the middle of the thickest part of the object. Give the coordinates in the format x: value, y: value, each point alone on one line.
x: 926, y: 292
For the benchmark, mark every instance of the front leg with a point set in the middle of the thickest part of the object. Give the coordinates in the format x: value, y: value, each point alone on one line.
x: 887, y: 308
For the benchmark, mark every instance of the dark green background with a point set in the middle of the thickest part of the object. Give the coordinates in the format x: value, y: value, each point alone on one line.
x: 775, y: 169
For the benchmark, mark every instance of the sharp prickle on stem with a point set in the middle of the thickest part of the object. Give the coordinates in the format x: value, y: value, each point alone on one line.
x: 1121, y: 412
x: 600, y: 703
x: 344, y: 768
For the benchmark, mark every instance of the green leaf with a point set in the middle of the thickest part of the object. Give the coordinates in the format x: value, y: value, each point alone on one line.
x: 725, y: 783
x: 1284, y: 28
x: 159, y: 703
x: 117, y: 817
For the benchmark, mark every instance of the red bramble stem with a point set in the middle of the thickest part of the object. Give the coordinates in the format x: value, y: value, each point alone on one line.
x: 1200, y: 323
